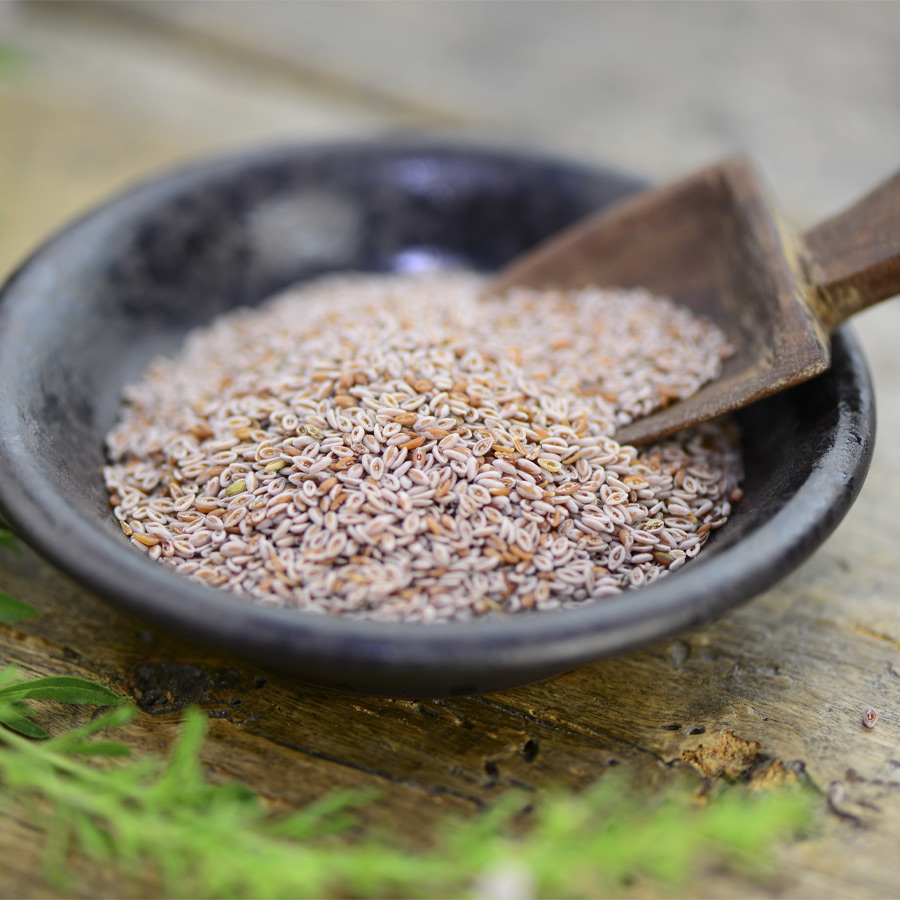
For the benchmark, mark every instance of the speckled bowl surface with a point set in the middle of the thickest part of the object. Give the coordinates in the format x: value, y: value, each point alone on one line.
x: 85, y: 313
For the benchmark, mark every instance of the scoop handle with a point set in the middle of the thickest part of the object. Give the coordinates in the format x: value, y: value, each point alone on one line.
x: 854, y: 257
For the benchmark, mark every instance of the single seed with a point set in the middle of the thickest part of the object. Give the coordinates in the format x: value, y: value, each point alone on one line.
x: 327, y: 485
x: 870, y: 717
x: 236, y: 488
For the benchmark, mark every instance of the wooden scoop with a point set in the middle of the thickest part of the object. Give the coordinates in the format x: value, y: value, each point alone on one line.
x: 714, y: 243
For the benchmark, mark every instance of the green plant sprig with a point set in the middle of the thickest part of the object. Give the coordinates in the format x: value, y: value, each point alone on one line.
x: 13, y: 610
x: 16, y: 714
x: 218, y: 840
x: 208, y: 840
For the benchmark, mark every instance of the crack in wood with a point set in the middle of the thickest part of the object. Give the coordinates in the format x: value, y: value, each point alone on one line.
x: 391, y: 778
x: 859, y: 628
x: 588, y: 735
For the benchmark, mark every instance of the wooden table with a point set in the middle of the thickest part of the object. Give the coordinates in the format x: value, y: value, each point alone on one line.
x: 98, y: 95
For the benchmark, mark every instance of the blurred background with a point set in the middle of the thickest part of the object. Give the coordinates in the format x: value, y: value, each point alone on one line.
x: 94, y: 95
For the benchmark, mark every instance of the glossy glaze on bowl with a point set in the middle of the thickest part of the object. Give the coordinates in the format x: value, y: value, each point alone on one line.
x: 83, y: 316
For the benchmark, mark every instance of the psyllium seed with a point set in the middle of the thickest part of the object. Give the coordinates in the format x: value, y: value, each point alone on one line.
x: 400, y: 448
x: 870, y: 717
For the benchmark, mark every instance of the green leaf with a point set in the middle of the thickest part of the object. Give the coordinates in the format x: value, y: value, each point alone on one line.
x: 13, y: 715
x: 331, y: 813
x: 99, y: 748
x: 57, y: 847
x: 114, y: 718
x: 93, y: 839
x: 184, y: 771
x: 12, y: 610
x: 62, y: 689
x: 209, y: 839
x: 76, y: 737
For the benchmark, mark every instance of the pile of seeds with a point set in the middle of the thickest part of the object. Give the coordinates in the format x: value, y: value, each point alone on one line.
x: 397, y: 447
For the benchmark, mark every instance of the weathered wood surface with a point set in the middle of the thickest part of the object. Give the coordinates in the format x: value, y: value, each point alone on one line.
x: 793, y: 670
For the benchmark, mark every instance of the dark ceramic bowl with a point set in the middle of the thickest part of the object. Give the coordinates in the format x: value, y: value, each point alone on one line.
x: 84, y: 314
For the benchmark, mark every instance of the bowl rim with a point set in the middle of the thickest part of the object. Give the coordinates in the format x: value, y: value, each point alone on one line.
x: 494, y: 652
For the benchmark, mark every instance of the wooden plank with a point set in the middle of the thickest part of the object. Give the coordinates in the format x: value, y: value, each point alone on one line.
x: 774, y: 672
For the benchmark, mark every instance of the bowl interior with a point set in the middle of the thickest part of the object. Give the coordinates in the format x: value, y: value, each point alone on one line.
x: 84, y: 315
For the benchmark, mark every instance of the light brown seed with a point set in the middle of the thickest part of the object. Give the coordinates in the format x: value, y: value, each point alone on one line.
x: 327, y: 485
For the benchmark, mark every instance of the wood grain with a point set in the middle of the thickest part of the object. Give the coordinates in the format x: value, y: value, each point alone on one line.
x: 712, y: 242
x: 855, y: 255
x: 785, y: 672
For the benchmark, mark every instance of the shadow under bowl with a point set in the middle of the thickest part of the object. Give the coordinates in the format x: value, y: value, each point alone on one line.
x: 82, y: 317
